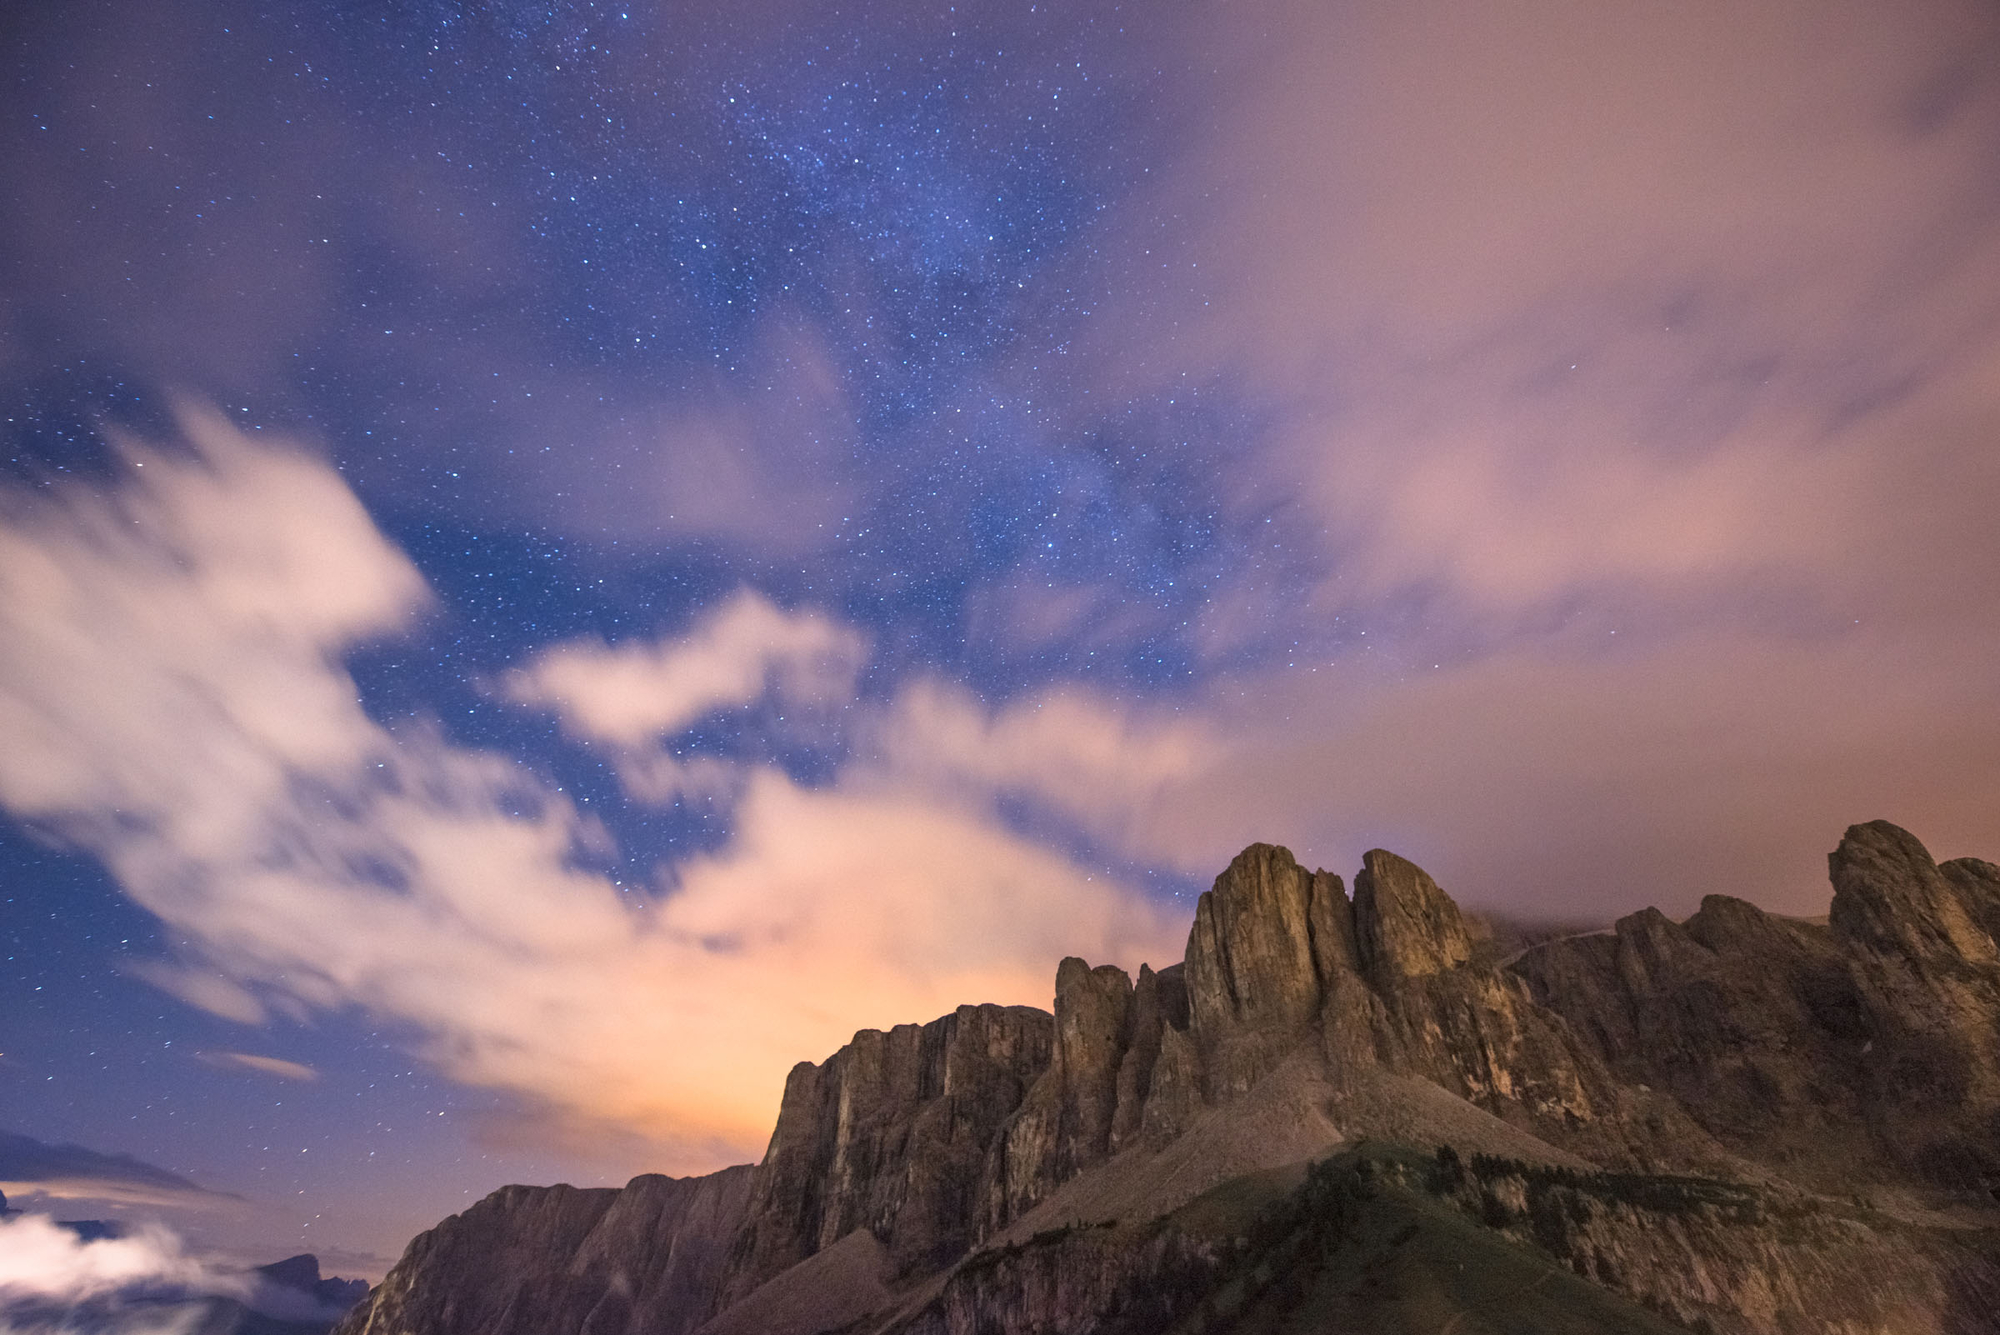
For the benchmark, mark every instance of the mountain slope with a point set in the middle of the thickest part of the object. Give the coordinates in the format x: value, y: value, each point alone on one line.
x: 1741, y: 1122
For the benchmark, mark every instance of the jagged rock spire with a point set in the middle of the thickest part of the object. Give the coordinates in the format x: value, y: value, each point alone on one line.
x: 1890, y: 896
x: 1408, y: 928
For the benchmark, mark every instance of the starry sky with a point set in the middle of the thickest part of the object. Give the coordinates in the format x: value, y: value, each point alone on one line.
x: 556, y: 559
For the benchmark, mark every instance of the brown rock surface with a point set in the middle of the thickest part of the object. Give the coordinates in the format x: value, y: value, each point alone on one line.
x: 1093, y: 1031
x: 1978, y: 885
x: 890, y: 1134
x: 1174, y: 1099
x: 603, y: 1261
x: 1159, y: 1003
x: 1407, y: 927
x: 833, y: 1287
x: 1004, y: 1169
x: 1889, y: 897
x: 1862, y: 1052
x: 1264, y: 941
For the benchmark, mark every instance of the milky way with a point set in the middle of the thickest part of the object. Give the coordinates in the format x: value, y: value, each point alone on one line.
x: 584, y: 500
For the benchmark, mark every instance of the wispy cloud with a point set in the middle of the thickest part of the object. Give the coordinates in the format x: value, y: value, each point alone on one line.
x: 35, y: 1168
x: 1562, y: 305
x: 204, y: 989
x: 250, y: 1061
x: 144, y: 1281
x: 1635, y: 378
x: 172, y: 660
x: 43, y: 1263
x: 1100, y: 762
x: 632, y: 694
x: 634, y: 698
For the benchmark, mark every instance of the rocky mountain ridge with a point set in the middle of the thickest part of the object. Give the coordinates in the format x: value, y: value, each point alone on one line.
x: 1005, y: 1168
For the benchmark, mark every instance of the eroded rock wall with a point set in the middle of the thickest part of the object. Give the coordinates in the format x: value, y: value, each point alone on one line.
x: 1740, y: 1043
x: 566, y: 1261
x: 1734, y: 1259
x: 1864, y: 1049
x: 891, y: 1134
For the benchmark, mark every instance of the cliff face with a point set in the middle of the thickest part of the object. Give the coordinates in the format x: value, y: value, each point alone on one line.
x: 891, y: 1134
x: 646, y: 1258
x: 1267, y: 943
x: 1865, y: 1051
x: 1726, y: 1257
x: 1378, y: 1239
x: 1007, y: 1169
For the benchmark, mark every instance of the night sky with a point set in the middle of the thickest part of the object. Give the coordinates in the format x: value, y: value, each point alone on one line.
x: 558, y: 559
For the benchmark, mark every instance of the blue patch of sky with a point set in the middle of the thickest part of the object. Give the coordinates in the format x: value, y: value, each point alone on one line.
x: 54, y: 426
x: 96, y: 1056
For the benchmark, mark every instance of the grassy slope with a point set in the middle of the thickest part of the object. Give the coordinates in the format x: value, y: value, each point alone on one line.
x: 1354, y: 1255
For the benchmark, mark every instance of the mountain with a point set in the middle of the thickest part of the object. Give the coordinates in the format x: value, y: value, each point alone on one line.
x: 278, y: 1281
x: 288, y: 1297
x: 1346, y: 1112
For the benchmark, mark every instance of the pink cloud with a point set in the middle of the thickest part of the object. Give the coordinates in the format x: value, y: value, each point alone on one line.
x: 1555, y: 299
x: 1591, y: 779
x: 1634, y: 379
x: 633, y: 694
x: 1098, y: 761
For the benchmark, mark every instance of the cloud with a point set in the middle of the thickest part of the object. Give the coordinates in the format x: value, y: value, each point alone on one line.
x: 204, y: 989
x: 169, y: 656
x: 1576, y: 778
x: 1631, y: 385
x: 42, y: 1263
x: 1560, y: 304
x: 144, y: 1281
x: 1100, y: 763
x: 1646, y: 752
x: 250, y: 1061
x: 1096, y: 761
x: 892, y: 904
x: 632, y: 698
x: 166, y: 645
x: 660, y: 778
x: 1442, y: 172
x: 628, y: 695
x: 70, y: 1172
x: 760, y: 461
x: 1088, y: 756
